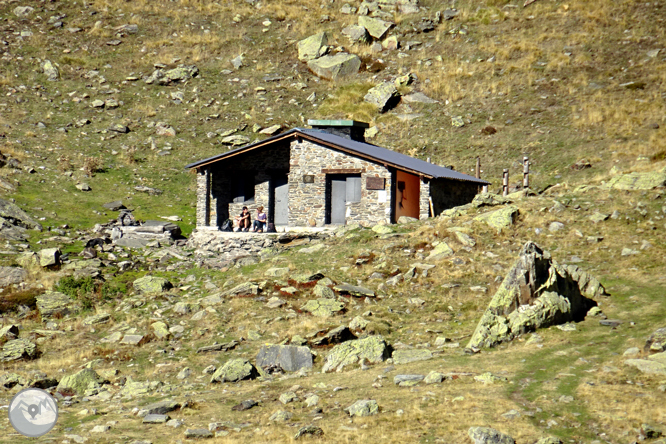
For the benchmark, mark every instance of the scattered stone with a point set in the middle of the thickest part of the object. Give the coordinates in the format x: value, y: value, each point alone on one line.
x: 440, y: 251
x: 365, y: 407
x: 286, y: 398
x: 309, y: 430
x: 54, y: 304
x: 434, y: 378
x: 489, y: 378
x: 382, y: 229
x: 155, y: 418
x: 280, y: 415
x: 537, y: 292
x: 356, y: 34
x: 83, y: 187
x: 354, y: 290
x: 638, y: 181
x: 372, y: 349
x: 384, y: 96
x: 100, y: 429
x: 271, y: 130
x: 549, y: 440
x: 184, y: 373
x: 237, y: 62
x: 101, y: 318
x: 406, y: 356
x: 376, y: 28
x: 79, y: 383
x: 180, y: 74
x: 499, y: 219
x: 555, y: 227
x: 287, y: 357
x: 656, y: 343
x: 119, y: 128
x: 116, y: 205
x: 336, y: 66
x: 23, y: 11
x: 358, y: 323
x: 51, y: 71
x: 323, y: 307
x: 132, y: 340
x: 486, y: 435
x: 407, y: 380
x: 312, y: 47
x: 245, y: 405
x: 160, y: 408
x: 164, y: 129
x: 198, y: 434
x: 457, y: 121
x: 235, y: 370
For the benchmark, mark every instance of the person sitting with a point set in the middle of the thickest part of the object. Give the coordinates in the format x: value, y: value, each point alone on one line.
x: 243, y: 220
x: 260, y: 222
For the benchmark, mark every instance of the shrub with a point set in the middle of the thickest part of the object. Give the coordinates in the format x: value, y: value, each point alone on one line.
x: 113, y: 290
x: 76, y: 288
x: 92, y: 165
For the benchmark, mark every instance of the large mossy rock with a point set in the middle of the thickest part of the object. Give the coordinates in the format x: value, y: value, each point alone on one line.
x: 363, y: 407
x: 536, y: 293
x: 312, y: 47
x: 384, y: 96
x: 638, y: 181
x: 80, y: 383
x: 53, y: 303
x: 289, y: 358
x: 377, y: 28
x: 235, y: 370
x: 502, y: 218
x: 323, y: 307
x: 335, y: 66
x: 374, y: 349
x: 486, y: 435
x: 653, y: 365
x: 151, y: 284
x: 18, y: 349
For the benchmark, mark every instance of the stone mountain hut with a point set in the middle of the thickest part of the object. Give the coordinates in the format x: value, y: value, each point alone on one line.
x: 322, y: 176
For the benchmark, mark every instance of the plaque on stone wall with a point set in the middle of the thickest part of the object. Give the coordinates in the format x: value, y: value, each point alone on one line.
x: 308, y: 178
x: 375, y: 183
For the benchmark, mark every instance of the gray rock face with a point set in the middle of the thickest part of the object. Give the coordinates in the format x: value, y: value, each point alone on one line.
x: 656, y: 343
x: 354, y: 290
x: 376, y: 28
x: 312, y: 47
x: 152, y: 284
x: 79, y: 383
x: 155, y: 419
x: 49, y: 257
x: 12, y: 275
x: 536, y: 293
x: 356, y: 34
x: 411, y: 355
x: 18, y: 349
x: 287, y: 357
x: 180, y: 74
x: 53, y: 303
x: 372, y: 349
x: 17, y: 217
x: 235, y: 370
x: 384, y: 96
x: 23, y: 11
x: 50, y: 70
x: 364, y: 407
x: 160, y: 408
x: 323, y: 307
x: 486, y: 435
x: 336, y: 66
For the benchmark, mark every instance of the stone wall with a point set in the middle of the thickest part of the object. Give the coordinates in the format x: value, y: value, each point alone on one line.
x: 203, y: 197
x: 307, y: 201
x: 448, y: 193
x: 229, y: 246
x: 424, y: 201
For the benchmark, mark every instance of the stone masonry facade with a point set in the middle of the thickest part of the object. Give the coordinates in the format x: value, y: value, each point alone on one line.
x: 307, y: 200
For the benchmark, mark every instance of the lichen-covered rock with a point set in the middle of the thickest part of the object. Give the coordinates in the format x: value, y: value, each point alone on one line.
x: 287, y: 357
x: 312, y: 47
x: 373, y: 349
x: 356, y: 34
x: 138, y: 388
x: 463, y: 237
x: 81, y: 382
x: 323, y: 307
x: 440, y: 251
x: 502, y: 218
x: 9, y: 332
x: 377, y: 28
x: 53, y: 303
x: 536, y: 293
x: 246, y: 288
x: 152, y: 284
x: 354, y: 290
x: 49, y: 257
x: 181, y: 73
x: 333, y: 67
x: 12, y: 275
x: 18, y: 349
x: 364, y: 407
x: 101, y: 318
x: 382, y: 229
x: 235, y: 370
x: 160, y: 330
x: 411, y: 355
x: 16, y: 216
x: 323, y: 291
x: 651, y: 365
x: 277, y: 272
x: 656, y: 343
x: 50, y: 70
x: 486, y: 435
x: 638, y: 181
x: 308, y: 430
x: 384, y: 96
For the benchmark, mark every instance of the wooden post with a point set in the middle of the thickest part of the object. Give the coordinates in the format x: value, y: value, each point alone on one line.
x: 478, y: 168
x: 526, y: 172
x: 505, y: 182
x: 432, y: 208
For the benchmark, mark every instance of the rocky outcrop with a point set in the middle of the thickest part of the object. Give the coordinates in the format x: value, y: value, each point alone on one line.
x: 502, y: 218
x: 638, y: 181
x: 656, y: 343
x: 312, y: 47
x: 486, y: 435
x: 373, y: 349
x: 141, y: 236
x: 384, y: 96
x: 152, y: 284
x: 180, y: 74
x: 537, y: 292
x: 15, y: 216
x: 336, y: 66
x: 54, y: 304
x: 235, y: 370
x: 18, y: 349
x: 286, y: 357
x: 80, y: 383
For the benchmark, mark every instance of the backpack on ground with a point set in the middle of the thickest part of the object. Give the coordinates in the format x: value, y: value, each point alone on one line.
x: 227, y: 225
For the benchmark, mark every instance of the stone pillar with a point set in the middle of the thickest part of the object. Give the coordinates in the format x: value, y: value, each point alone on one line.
x: 203, y: 197
x: 424, y: 199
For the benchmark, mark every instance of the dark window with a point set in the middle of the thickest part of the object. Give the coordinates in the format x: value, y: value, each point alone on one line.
x: 242, y: 188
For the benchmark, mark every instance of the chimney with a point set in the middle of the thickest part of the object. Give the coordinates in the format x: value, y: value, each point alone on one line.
x: 349, y: 129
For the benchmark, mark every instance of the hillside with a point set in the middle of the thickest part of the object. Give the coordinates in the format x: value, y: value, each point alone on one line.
x: 579, y: 87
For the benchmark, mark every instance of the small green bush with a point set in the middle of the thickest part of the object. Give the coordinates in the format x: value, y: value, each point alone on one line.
x: 113, y: 289
x: 76, y: 288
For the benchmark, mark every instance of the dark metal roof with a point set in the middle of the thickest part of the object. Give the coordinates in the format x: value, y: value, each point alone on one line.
x: 359, y: 149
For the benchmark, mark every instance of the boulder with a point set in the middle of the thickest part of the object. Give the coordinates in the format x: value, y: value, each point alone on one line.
x: 17, y: 217
x: 277, y: 272
x: 18, y: 349
x: 364, y: 407
x: 116, y: 205
x: 12, y: 275
x: 354, y: 290
x: 356, y: 34
x: 323, y: 307
x: 336, y: 336
x: 79, y: 383
x: 49, y: 257
x: 307, y: 431
x: 51, y: 71
x: 650, y: 366
x: 536, y: 293
x: 246, y: 288
x: 638, y: 181
x: 235, y: 140
x: 440, y: 251
x: 384, y: 96
x: 323, y: 291
x: 159, y: 408
x: 53, y: 303
x: 656, y: 343
x: 336, y: 66
x: 152, y: 284
x: 373, y: 349
x: 235, y: 370
x: 486, y: 435
x: 23, y: 11
x: 411, y: 355
x: 502, y: 218
x: 312, y: 47
x: 287, y: 357
x: 9, y: 332
x: 182, y: 73
x: 377, y: 28
x: 160, y: 330
x: 418, y: 97
x: 382, y: 229
x: 101, y: 318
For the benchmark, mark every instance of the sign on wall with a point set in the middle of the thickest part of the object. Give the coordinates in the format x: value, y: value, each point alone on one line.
x: 375, y: 183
